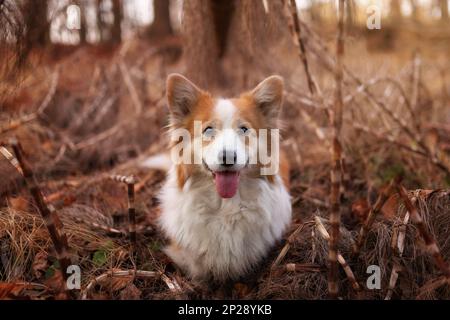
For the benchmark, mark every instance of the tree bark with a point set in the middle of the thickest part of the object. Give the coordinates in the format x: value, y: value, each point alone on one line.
x: 314, y: 11
x: 83, y: 25
x: 116, y: 28
x: 37, y: 24
x: 415, y: 10
x: 12, y: 53
x: 443, y: 4
x: 395, y: 10
x: 350, y: 12
x: 99, y: 21
x: 231, y: 43
x: 161, y: 26
x: 200, y: 42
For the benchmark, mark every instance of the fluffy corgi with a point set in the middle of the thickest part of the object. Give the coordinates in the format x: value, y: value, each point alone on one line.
x: 221, y: 209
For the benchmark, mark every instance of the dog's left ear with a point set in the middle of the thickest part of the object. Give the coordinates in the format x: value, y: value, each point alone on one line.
x: 182, y: 95
x: 268, y: 96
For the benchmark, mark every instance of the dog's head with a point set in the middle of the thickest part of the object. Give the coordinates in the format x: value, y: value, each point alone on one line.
x: 221, y: 137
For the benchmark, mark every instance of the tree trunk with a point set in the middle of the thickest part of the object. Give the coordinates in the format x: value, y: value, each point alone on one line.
x: 415, y: 10
x: 444, y: 10
x: 255, y: 38
x: 100, y: 22
x: 350, y: 12
x: 83, y: 25
x: 200, y: 43
x: 315, y: 11
x: 116, y: 29
x: 37, y: 24
x: 231, y: 43
x: 161, y: 26
x: 12, y: 53
x: 395, y: 10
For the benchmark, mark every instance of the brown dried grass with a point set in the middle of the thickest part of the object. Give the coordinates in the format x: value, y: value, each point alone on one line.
x: 73, y: 160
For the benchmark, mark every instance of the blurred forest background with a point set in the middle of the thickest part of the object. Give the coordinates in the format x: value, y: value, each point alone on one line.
x: 82, y: 101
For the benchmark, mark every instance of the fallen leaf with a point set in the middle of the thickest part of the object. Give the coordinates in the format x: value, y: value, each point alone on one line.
x: 50, y: 272
x: 47, y: 145
x: 241, y: 290
x: 432, y: 139
x: 40, y: 264
x: 19, y: 204
x: 360, y: 209
x: 390, y: 207
x: 155, y: 245
x: 115, y: 284
x: 99, y: 296
x: 130, y: 292
x: 56, y: 282
x: 62, y: 296
x: 425, y: 193
x: 100, y: 257
x: 10, y: 290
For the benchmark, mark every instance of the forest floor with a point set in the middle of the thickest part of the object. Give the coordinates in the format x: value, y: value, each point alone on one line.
x: 83, y: 115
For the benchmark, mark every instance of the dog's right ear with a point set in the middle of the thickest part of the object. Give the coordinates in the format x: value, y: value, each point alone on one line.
x: 182, y: 95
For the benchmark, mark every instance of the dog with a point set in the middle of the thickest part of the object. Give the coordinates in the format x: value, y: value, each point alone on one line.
x: 221, y: 211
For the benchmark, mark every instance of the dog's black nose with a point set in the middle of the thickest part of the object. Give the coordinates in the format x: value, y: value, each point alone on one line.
x: 227, y: 157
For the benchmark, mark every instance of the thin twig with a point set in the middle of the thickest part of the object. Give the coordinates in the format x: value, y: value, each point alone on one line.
x: 298, y: 40
x: 387, y: 138
x: 431, y: 245
x: 130, y: 181
x: 302, y: 267
x: 348, y: 271
x: 14, y: 124
x: 131, y: 88
x: 171, y: 283
x: 103, y: 227
x: 346, y: 188
x: 97, y: 138
x: 50, y: 217
x: 398, y: 247
x: 433, y: 285
x: 287, y: 246
x: 9, y: 156
x: 440, y: 160
x: 336, y: 123
x: 416, y: 88
x: 131, y: 212
x: 373, y: 213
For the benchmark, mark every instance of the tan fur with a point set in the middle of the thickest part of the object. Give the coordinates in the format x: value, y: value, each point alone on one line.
x: 204, y: 242
x: 202, y: 111
x: 284, y: 170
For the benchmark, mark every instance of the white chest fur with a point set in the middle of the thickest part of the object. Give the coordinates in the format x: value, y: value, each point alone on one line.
x: 223, y: 238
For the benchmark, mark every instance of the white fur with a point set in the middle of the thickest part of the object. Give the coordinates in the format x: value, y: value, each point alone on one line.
x: 225, y: 110
x: 160, y: 161
x: 226, y: 137
x: 223, y: 238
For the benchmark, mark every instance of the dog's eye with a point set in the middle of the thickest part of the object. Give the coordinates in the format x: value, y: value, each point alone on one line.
x: 208, y: 131
x: 243, y: 129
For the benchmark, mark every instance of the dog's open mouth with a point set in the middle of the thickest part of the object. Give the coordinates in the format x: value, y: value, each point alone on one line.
x: 227, y: 183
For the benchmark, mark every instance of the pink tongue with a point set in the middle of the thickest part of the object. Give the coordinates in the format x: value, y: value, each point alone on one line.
x: 226, y: 183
